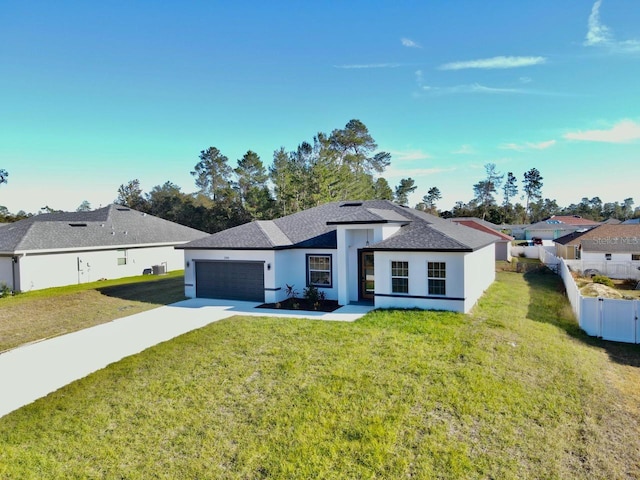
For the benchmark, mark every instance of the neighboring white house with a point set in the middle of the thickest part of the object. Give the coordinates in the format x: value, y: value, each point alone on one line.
x: 371, y: 251
x: 57, y: 249
x: 611, y: 250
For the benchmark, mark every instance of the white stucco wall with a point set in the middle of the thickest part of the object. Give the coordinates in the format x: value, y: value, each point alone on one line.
x: 287, y: 267
x: 291, y: 268
x: 6, y: 271
x: 266, y: 256
x: 480, y: 272
x: 352, y: 239
x: 39, y: 271
x: 418, y: 287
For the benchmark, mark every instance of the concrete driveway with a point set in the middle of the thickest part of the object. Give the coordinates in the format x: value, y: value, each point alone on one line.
x: 35, y: 370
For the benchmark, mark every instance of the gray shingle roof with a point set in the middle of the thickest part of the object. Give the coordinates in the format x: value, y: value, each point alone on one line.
x: 316, y: 228
x: 110, y: 226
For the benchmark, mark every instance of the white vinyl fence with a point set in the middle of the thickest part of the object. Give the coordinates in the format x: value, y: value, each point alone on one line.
x: 609, y: 319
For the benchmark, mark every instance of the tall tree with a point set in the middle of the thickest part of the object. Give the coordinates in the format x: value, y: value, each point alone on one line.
x: 382, y: 190
x: 213, y: 173
x: 252, y: 186
x: 406, y: 187
x: 356, y: 148
x: 509, y: 189
x: 428, y: 203
x: 130, y: 195
x: 532, y: 187
x: 627, y: 208
x: 85, y: 206
x: 485, y: 189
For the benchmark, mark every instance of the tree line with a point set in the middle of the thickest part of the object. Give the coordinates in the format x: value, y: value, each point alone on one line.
x: 343, y: 165
x: 494, y: 195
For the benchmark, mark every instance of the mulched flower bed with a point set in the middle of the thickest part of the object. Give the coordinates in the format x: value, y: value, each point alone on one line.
x: 302, y: 304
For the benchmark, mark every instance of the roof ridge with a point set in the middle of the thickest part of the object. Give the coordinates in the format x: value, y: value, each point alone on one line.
x: 274, y: 233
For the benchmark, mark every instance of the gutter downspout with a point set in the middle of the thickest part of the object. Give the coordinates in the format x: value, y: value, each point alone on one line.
x: 14, y: 261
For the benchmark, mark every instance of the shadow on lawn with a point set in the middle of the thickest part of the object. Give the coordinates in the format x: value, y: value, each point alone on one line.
x: 159, y: 291
x: 547, y: 306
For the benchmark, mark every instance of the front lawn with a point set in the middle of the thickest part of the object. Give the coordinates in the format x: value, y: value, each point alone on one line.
x: 514, y: 390
x: 40, y: 314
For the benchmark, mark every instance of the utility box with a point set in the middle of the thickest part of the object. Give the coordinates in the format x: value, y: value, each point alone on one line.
x: 159, y: 269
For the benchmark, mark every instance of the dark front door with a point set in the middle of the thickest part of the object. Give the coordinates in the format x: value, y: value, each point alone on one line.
x: 367, y: 277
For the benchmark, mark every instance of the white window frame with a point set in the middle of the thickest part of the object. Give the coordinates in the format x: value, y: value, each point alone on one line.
x: 399, y: 272
x: 122, y: 257
x: 328, y: 272
x: 437, y: 278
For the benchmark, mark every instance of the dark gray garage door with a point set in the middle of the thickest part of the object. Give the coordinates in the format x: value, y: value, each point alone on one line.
x: 230, y: 280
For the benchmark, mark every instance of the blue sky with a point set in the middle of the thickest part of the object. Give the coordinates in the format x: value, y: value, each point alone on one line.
x: 94, y: 94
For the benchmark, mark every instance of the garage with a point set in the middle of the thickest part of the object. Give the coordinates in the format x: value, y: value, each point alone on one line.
x: 231, y: 280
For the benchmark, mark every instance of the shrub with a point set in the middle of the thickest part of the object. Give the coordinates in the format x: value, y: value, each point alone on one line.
x: 5, y: 291
x: 291, y: 291
x: 311, y: 294
x: 604, y: 280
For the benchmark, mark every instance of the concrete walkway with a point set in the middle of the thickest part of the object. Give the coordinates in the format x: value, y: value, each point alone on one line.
x: 35, y: 370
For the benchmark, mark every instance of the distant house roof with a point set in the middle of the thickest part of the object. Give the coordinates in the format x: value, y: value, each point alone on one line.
x: 575, y: 220
x: 552, y: 226
x: 480, y: 221
x: 316, y: 228
x: 606, y: 238
x: 478, y: 224
x: 612, y: 221
x: 111, y: 226
x: 631, y: 221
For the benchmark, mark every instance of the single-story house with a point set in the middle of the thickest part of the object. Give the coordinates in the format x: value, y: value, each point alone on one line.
x: 370, y: 251
x: 558, y: 226
x: 612, y: 250
x: 503, y: 241
x: 57, y: 249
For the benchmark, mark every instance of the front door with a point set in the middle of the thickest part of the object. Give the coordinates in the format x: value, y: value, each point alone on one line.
x: 367, y: 278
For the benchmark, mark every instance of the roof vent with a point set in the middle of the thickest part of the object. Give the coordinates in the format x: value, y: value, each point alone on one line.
x: 351, y: 204
x: 77, y: 224
x: 123, y: 209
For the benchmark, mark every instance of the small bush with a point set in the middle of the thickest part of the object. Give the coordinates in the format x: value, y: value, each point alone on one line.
x: 604, y: 280
x: 5, y: 291
x: 311, y: 294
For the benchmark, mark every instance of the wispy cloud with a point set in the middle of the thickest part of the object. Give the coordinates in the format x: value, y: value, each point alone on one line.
x: 407, y: 42
x: 599, y: 35
x: 470, y: 89
x: 369, y: 65
x: 408, y: 155
x: 625, y: 131
x: 464, y: 150
x: 520, y: 147
x: 494, y: 62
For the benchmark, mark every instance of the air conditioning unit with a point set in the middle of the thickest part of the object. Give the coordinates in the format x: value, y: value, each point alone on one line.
x: 159, y: 269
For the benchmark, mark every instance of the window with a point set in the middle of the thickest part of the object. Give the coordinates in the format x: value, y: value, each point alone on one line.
x: 635, y: 256
x: 436, y: 276
x: 607, y: 256
x: 122, y: 257
x: 400, y: 277
x: 319, y: 270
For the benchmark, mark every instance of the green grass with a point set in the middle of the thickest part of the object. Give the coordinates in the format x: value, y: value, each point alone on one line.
x: 32, y: 316
x: 514, y: 390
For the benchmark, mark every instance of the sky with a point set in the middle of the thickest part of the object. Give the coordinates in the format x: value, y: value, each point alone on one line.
x: 94, y: 94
